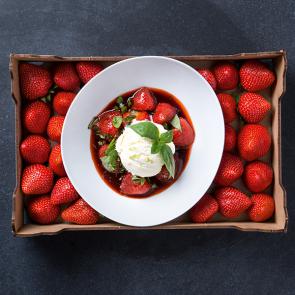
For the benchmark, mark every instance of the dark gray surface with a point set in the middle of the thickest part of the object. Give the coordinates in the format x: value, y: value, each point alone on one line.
x: 174, y: 262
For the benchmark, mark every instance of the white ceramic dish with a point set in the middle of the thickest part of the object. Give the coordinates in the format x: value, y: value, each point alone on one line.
x: 199, y: 99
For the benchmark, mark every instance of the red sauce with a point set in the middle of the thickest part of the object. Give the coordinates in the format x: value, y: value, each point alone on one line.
x: 181, y: 155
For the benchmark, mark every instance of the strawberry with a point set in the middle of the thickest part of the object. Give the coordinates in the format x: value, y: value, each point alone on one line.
x: 204, y: 209
x: 62, y: 101
x: 254, y: 141
x: 131, y: 187
x: 143, y: 100
x: 163, y: 175
x: 262, y: 207
x: 253, y: 107
x: 105, y: 123
x: 37, y: 179
x: 226, y: 75
x: 228, y: 106
x: 63, y: 192
x: 258, y: 176
x: 65, y: 77
x: 230, y: 169
x: 87, y: 70
x: 208, y: 75
x: 36, y: 116
x: 185, y: 136
x: 102, y: 150
x: 232, y: 202
x: 140, y: 116
x: 256, y: 76
x: 164, y: 113
x: 35, y: 81
x: 80, y: 213
x: 54, y: 127
x: 137, y: 115
x: 35, y: 149
x: 42, y: 211
x: 230, y: 138
x: 55, y: 161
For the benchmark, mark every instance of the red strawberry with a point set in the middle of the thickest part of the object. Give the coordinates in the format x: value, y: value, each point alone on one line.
x: 35, y: 81
x: 54, y: 127
x: 144, y: 100
x: 227, y: 75
x: 230, y: 138
x: 131, y: 187
x: 55, y: 161
x: 36, y: 116
x: 253, y: 142
x: 105, y: 122
x: 80, y: 213
x: 42, y: 211
x: 204, y: 209
x: 232, y: 202
x: 65, y: 77
x: 262, y: 207
x: 258, y: 176
x: 102, y: 150
x: 185, y: 136
x: 228, y: 106
x: 208, y: 75
x: 35, y: 149
x: 164, y: 113
x: 255, y: 76
x: 139, y: 116
x: 163, y: 175
x: 253, y: 107
x: 230, y: 169
x: 87, y: 70
x: 62, y: 101
x: 63, y: 192
x: 37, y: 179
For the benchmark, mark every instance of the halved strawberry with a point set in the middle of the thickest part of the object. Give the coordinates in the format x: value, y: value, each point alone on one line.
x: 37, y: 179
x: 63, y: 192
x: 209, y: 76
x: 230, y: 138
x: 87, y: 70
x: 54, y: 127
x: 42, y: 211
x: 144, y: 100
x: 62, y: 101
x: 35, y: 149
x: 105, y: 122
x: 36, y: 116
x: 80, y: 213
x: 230, y: 169
x: 185, y: 136
x: 65, y: 77
x: 55, y: 161
x: 204, y: 209
x: 228, y: 106
x: 227, y: 75
x: 262, y: 208
x: 164, y: 113
x: 131, y: 187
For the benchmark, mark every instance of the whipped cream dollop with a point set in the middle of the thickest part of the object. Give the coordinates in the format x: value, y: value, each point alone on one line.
x: 135, y: 152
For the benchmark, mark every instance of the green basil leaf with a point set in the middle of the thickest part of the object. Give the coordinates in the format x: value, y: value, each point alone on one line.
x: 168, y: 159
x: 120, y: 99
x: 108, y: 163
x: 176, y: 122
x: 146, y: 129
x: 129, y: 119
x: 117, y: 121
x: 166, y: 137
x: 111, y: 147
x: 123, y: 109
x: 156, y: 146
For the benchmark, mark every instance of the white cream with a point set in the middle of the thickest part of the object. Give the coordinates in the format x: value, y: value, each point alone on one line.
x: 135, y: 152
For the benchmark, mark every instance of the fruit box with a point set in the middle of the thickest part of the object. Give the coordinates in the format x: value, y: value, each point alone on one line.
x: 277, y: 224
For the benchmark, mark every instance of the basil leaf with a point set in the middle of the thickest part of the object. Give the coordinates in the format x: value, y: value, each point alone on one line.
x: 156, y: 146
x: 166, y: 137
x: 123, y: 109
x: 119, y: 100
x: 108, y: 163
x: 111, y: 147
x: 146, y: 129
x: 117, y: 121
x: 176, y: 122
x: 129, y: 119
x: 168, y: 159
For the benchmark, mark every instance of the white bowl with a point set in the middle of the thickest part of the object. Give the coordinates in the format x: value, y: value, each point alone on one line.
x: 202, y: 104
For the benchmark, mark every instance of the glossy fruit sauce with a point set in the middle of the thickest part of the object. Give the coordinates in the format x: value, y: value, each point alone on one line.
x: 181, y: 156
